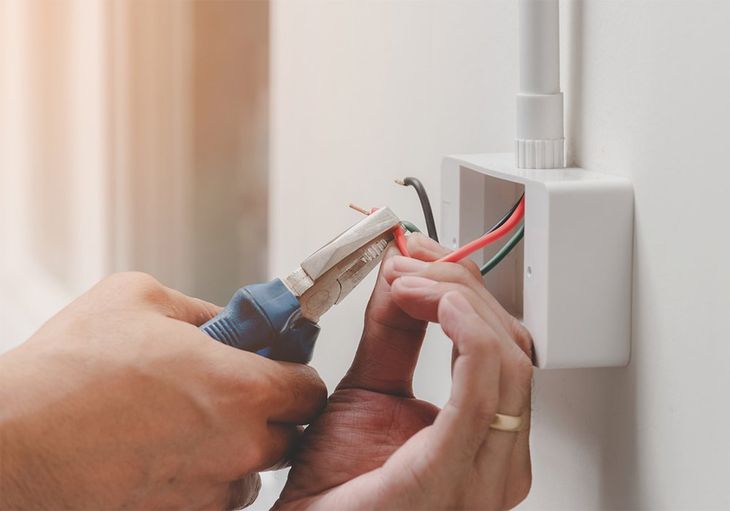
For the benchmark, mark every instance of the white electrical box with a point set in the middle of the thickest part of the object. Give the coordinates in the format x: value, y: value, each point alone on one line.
x: 570, y: 279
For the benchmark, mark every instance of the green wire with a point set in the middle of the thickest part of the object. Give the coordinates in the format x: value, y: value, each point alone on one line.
x: 410, y: 227
x: 496, y: 258
x: 502, y: 252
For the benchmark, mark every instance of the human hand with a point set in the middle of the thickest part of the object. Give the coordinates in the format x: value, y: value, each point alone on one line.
x: 377, y: 447
x: 119, y: 401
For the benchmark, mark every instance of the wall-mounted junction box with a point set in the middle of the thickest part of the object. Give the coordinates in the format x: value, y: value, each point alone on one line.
x: 570, y: 279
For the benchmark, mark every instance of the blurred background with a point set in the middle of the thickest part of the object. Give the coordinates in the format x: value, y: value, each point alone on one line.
x: 199, y: 141
x: 216, y: 143
x: 134, y: 135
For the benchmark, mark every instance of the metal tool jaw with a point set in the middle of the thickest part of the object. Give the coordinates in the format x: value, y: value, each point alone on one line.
x: 326, y: 277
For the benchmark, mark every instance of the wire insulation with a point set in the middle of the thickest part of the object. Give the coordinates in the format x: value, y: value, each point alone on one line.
x: 507, y: 214
x: 425, y: 205
x: 410, y: 226
x: 490, y: 237
x: 400, y: 240
x: 502, y: 252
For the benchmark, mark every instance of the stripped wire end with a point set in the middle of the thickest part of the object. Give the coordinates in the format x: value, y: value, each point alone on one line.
x: 358, y: 209
x: 425, y: 204
x: 398, y: 231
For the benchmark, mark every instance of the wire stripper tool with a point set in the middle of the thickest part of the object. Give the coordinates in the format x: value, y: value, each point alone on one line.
x: 278, y: 319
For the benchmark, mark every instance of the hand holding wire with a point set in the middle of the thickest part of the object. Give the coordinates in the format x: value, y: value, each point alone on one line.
x: 506, y: 224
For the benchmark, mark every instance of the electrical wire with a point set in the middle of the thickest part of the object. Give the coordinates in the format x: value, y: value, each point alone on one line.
x: 398, y: 231
x: 491, y: 236
x: 502, y: 252
x: 507, y: 214
x: 505, y: 224
x: 511, y: 243
x: 425, y: 204
x: 400, y: 240
x: 409, y: 226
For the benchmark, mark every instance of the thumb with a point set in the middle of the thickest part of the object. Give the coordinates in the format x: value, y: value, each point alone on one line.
x: 391, y: 341
x: 190, y: 310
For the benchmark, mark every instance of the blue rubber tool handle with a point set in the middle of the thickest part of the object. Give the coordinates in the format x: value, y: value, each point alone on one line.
x: 265, y: 319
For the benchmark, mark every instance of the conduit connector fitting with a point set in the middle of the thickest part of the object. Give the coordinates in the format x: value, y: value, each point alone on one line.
x: 540, y: 142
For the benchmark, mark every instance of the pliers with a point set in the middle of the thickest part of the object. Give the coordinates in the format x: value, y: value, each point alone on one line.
x: 278, y: 319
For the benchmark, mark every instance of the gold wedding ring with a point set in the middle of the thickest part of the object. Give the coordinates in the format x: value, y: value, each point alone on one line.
x: 509, y: 423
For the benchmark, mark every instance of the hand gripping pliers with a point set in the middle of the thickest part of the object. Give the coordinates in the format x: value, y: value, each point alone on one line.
x: 278, y: 319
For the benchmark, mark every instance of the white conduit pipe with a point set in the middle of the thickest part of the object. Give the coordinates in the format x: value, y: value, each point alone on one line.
x: 540, y: 141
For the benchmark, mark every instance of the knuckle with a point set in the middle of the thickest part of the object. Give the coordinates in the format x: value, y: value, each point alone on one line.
x: 258, y: 452
x: 317, y: 387
x: 243, y: 492
x: 472, y: 268
x: 247, y: 389
x: 132, y: 278
x: 460, y: 273
x: 482, y: 343
x: 388, y: 266
x: 142, y: 285
x: 309, y: 389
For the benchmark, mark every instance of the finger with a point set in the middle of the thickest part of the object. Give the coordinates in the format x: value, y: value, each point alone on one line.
x: 243, y: 492
x: 470, y: 277
x: 519, y: 477
x: 140, y: 291
x: 278, y: 444
x: 391, y: 341
x: 462, y: 425
x: 503, y: 460
x: 294, y: 393
x: 462, y: 428
x: 254, y: 446
x: 190, y: 310
x: 281, y: 392
x: 422, y: 298
x: 447, y: 272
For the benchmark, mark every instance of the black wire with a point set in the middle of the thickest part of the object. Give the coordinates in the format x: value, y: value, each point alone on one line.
x: 506, y: 215
x: 507, y: 247
x: 425, y: 205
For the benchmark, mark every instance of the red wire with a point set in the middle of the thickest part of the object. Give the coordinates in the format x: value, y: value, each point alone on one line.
x: 471, y: 247
x: 399, y: 235
x: 400, y: 240
x: 490, y: 237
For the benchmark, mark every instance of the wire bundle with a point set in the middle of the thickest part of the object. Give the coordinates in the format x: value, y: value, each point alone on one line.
x: 507, y: 223
x: 511, y: 220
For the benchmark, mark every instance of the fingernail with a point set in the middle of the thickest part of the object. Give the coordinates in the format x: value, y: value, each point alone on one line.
x: 408, y: 265
x: 415, y: 282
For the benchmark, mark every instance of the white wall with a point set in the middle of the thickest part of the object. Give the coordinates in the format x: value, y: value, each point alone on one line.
x: 364, y: 91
